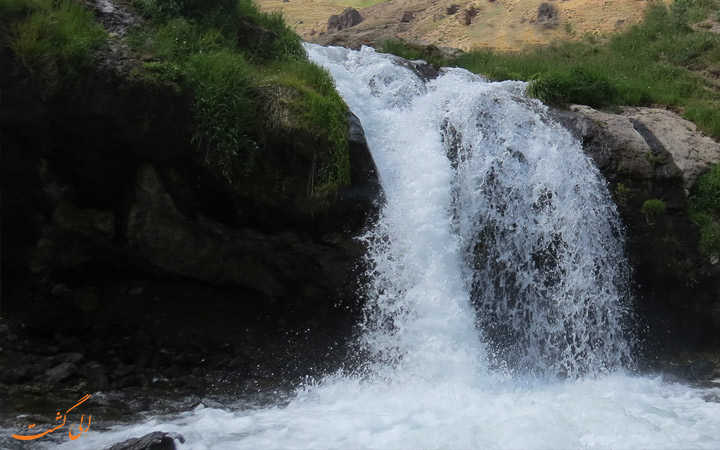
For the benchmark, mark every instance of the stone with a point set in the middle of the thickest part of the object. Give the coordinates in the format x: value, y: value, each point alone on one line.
x: 645, y: 154
x: 93, y: 370
x: 407, y: 16
x: 467, y: 14
x: 157, y: 440
x: 691, y: 152
x: 62, y: 372
x: 71, y: 357
x: 130, y: 381
x: 452, y: 9
x: 348, y: 18
x: 547, y: 15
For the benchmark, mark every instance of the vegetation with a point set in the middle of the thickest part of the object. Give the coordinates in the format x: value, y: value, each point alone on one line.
x: 226, y: 52
x: 704, y: 209
x: 653, y: 207
x: 658, y: 61
x: 411, y: 52
x: 223, y: 52
x: 54, y: 40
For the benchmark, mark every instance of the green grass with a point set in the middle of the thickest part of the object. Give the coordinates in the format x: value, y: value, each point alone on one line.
x: 54, y: 40
x: 653, y: 207
x: 212, y: 49
x: 656, y: 62
x: 704, y: 210
x: 318, y: 109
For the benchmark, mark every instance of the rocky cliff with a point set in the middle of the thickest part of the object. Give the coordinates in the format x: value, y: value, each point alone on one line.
x: 651, y: 159
x: 128, y: 262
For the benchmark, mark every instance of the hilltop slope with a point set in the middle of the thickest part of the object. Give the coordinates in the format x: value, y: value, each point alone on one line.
x: 497, y: 24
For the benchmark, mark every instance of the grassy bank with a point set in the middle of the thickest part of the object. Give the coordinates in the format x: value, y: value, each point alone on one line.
x: 664, y: 60
x: 54, y: 40
x: 225, y: 53
x: 228, y: 52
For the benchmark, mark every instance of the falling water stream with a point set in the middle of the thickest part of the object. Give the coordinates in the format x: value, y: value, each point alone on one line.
x: 497, y: 315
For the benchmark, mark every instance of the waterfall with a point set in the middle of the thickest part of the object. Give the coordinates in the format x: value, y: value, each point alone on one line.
x: 493, y: 213
x: 496, y: 308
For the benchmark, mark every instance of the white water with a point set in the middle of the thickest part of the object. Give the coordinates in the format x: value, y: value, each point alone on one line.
x: 496, y: 308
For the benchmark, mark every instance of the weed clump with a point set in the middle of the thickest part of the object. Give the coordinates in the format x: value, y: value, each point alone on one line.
x: 579, y: 85
x: 54, y: 40
x: 704, y: 210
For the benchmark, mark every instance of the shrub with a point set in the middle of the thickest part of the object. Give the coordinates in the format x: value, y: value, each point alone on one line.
x: 224, y: 110
x: 55, y: 41
x: 579, y: 85
x: 653, y: 207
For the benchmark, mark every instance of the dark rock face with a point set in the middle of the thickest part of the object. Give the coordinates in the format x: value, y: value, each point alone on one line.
x: 650, y: 154
x: 349, y: 18
x: 117, y: 237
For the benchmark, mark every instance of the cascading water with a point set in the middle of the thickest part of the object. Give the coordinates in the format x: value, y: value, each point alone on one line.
x: 486, y: 201
x: 496, y: 306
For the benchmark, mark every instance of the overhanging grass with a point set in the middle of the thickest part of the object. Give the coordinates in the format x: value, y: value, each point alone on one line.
x: 213, y: 49
x: 54, y: 40
x: 656, y: 62
x: 318, y: 109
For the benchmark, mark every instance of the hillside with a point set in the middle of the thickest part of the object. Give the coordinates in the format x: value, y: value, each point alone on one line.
x: 497, y: 24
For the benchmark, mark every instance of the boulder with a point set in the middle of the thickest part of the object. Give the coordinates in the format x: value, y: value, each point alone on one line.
x: 467, y: 14
x: 157, y: 440
x: 62, y: 372
x: 547, y: 15
x: 348, y: 18
x: 407, y: 16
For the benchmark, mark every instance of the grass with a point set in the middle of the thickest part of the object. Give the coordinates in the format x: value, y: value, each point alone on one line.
x: 653, y: 207
x: 318, y: 109
x: 704, y: 210
x: 213, y: 49
x: 54, y: 40
x: 656, y: 62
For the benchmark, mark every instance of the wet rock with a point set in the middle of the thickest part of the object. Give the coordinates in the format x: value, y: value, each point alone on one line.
x: 93, y: 370
x: 16, y: 374
x: 71, y: 345
x: 62, y: 372
x: 692, y: 371
x: 652, y: 154
x: 73, y: 357
x: 157, y: 440
x: 130, y: 381
x: 172, y: 372
x: 348, y: 18
x: 60, y: 290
